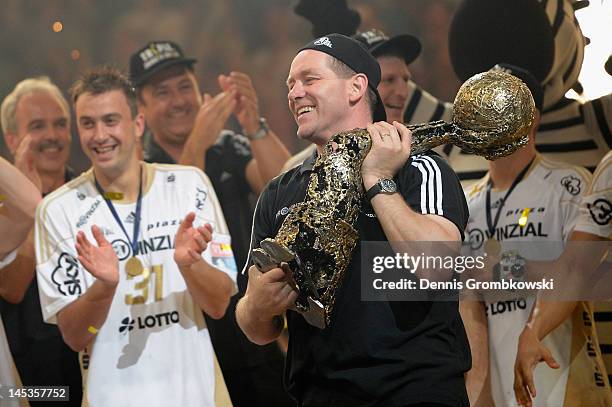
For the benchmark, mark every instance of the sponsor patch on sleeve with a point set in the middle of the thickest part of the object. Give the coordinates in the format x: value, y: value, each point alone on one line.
x: 223, y: 256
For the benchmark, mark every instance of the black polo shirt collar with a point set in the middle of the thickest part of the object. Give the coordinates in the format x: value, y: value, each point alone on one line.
x: 308, y: 163
x: 153, y: 152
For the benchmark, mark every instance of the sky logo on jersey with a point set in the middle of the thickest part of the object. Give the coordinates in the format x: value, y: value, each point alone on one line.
x: 571, y: 184
x: 65, y: 275
x: 149, y: 322
x: 201, y: 196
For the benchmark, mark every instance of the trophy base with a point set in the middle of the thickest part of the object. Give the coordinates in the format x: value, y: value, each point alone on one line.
x: 271, y: 255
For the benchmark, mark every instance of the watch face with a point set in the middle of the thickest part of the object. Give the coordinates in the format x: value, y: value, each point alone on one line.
x: 388, y: 186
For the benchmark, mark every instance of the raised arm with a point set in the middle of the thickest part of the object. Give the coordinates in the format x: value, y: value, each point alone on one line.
x: 19, y: 200
x: 79, y: 321
x: 210, y: 288
x: 269, y: 154
x: 390, y: 151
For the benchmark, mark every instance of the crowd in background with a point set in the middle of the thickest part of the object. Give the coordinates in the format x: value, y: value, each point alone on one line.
x: 255, y: 37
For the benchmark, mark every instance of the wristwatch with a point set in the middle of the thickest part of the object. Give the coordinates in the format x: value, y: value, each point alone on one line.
x: 261, y: 132
x: 382, y: 186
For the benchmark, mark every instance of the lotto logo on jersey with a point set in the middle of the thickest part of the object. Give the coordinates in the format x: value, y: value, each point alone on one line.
x: 501, y: 307
x: 149, y: 322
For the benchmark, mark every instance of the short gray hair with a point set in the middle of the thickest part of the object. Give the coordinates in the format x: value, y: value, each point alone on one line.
x: 27, y: 86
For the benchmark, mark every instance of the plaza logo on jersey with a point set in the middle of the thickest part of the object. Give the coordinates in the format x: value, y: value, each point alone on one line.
x: 163, y: 224
x: 501, y: 307
x: 80, y: 195
x: 201, y: 196
x: 65, y: 275
x: 571, y: 184
x: 323, y: 41
x: 149, y: 322
x: 84, y: 218
x: 601, y: 211
x: 519, y: 211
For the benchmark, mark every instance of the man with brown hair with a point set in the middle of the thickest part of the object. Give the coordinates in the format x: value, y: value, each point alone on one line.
x: 132, y: 301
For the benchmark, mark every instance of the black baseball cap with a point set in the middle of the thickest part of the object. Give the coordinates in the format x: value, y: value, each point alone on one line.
x: 405, y: 46
x: 154, y: 57
x: 527, y: 77
x: 356, y: 56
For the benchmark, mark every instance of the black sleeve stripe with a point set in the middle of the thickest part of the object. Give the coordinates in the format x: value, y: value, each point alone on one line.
x: 564, y: 102
x: 431, y: 185
x: 574, y: 121
x: 584, y: 145
x: 570, y: 69
x: 558, y: 18
x: 437, y: 114
x: 412, y: 105
x: 601, y: 121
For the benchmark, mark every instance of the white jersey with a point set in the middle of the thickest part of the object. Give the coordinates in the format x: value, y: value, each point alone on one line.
x: 552, y: 191
x: 596, y: 209
x: 596, y: 218
x: 154, y: 348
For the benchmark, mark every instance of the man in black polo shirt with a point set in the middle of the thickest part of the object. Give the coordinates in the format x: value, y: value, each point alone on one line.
x: 187, y: 129
x: 373, y: 353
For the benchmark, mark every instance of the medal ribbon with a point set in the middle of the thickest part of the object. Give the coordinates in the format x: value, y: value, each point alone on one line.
x: 133, y: 242
x: 491, y: 226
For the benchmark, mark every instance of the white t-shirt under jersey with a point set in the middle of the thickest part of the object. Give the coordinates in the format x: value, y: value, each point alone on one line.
x: 553, y: 192
x: 154, y: 348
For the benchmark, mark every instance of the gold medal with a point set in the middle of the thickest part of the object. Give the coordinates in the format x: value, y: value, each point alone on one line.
x: 493, y: 247
x: 134, y: 267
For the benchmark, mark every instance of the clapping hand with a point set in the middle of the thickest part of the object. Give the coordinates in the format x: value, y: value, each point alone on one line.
x: 101, y: 260
x: 190, y: 241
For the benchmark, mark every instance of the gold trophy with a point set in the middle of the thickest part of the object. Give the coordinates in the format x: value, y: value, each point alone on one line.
x: 493, y: 112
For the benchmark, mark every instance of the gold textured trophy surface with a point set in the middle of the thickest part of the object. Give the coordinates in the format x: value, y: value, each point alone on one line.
x: 493, y: 112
